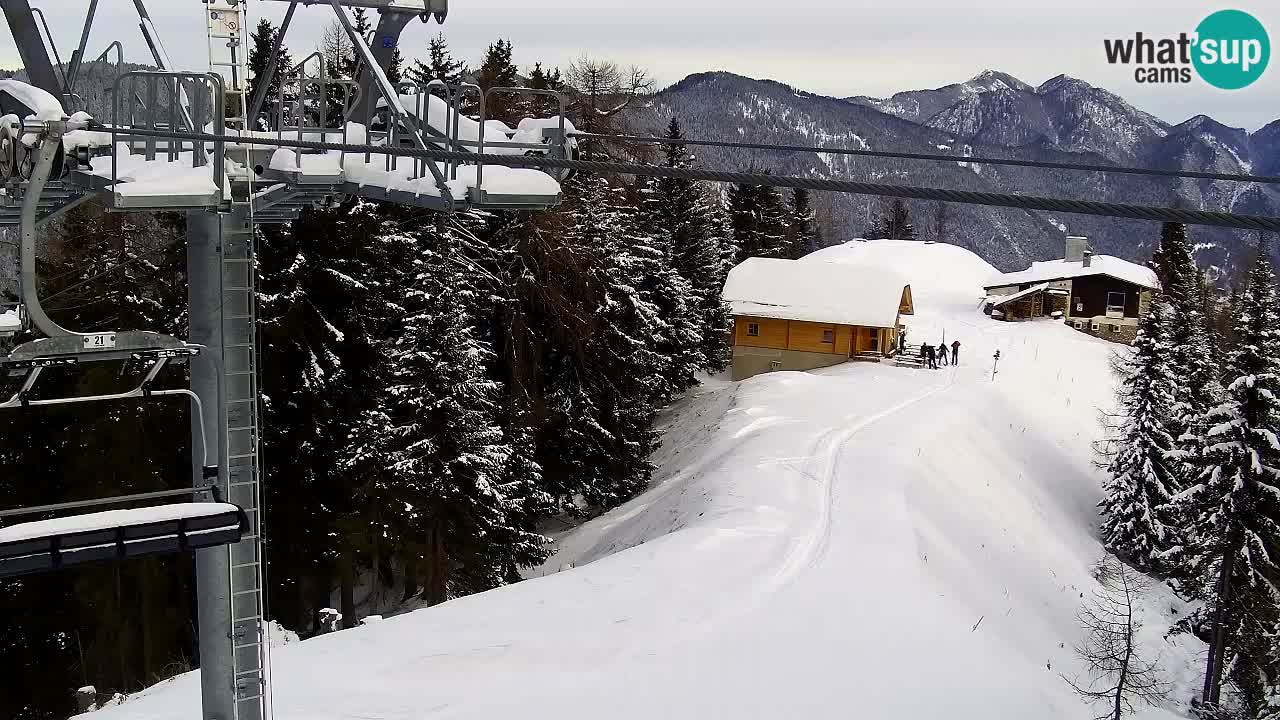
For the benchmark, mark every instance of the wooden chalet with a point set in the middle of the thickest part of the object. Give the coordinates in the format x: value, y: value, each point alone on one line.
x: 1100, y: 295
x: 793, y: 315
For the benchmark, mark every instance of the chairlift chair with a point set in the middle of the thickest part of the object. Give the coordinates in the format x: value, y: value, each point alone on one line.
x: 43, y: 546
x: 60, y: 346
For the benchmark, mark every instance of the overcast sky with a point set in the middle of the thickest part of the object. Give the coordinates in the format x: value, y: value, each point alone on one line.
x: 835, y: 47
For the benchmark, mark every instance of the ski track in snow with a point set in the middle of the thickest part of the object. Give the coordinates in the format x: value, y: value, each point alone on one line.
x: 813, y: 551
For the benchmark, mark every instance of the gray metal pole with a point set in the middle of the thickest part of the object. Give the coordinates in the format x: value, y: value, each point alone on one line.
x: 77, y: 58
x: 386, y: 38
x: 269, y: 73
x: 213, y: 565
x: 31, y: 48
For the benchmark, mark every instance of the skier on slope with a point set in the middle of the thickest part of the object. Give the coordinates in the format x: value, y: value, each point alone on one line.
x: 955, y: 352
x: 931, y: 353
x: 942, y: 353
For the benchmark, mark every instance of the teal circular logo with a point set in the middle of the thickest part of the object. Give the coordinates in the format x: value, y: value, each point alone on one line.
x: 1231, y: 49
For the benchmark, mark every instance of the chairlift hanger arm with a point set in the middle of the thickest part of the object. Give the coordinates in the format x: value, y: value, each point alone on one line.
x: 31, y: 47
x: 53, y: 48
x: 77, y: 57
x: 50, y: 144
x: 269, y: 73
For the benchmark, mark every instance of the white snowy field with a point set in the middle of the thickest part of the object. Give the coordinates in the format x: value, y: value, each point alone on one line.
x: 863, y: 541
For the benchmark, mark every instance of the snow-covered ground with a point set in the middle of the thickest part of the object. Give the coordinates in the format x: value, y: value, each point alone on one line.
x: 861, y: 541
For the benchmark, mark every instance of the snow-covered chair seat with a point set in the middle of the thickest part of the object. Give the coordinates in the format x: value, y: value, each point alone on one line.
x: 402, y: 178
x: 158, y: 183
x: 46, y: 545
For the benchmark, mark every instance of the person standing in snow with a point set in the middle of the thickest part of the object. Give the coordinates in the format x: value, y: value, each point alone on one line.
x: 942, y: 353
x: 922, y: 355
x: 902, y: 341
x: 931, y: 353
x: 955, y: 352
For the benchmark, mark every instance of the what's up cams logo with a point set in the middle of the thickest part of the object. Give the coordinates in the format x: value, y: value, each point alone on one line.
x: 1229, y: 50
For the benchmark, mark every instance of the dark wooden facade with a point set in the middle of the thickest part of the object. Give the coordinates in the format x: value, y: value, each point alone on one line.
x: 1091, y: 295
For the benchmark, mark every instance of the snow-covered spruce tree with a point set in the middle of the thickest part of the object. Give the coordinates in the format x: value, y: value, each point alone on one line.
x: 646, y: 265
x: 540, y: 79
x: 1235, y: 509
x: 263, y: 39
x: 440, y: 64
x: 602, y: 386
x: 897, y: 224
x: 759, y: 220
x: 1196, y: 384
x: 1196, y: 389
x: 447, y: 485
x: 1138, y: 522
x: 803, y: 228
x: 498, y: 70
x: 678, y: 213
x: 322, y: 312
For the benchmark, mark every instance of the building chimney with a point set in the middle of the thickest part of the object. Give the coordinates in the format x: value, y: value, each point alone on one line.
x: 1076, y: 246
x: 1086, y: 258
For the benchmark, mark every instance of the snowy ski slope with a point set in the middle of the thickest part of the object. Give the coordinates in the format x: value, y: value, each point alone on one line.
x: 862, y: 541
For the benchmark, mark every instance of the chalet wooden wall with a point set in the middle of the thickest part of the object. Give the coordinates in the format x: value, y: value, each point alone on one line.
x: 773, y: 333
x: 807, y: 337
x: 1092, y: 291
x: 803, y: 336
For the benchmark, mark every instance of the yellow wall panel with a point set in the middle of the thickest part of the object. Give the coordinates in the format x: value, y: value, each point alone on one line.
x: 773, y: 332
x: 809, y: 336
x: 844, y: 339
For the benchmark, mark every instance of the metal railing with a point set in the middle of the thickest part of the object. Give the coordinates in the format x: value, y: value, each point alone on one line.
x: 311, y: 98
x: 542, y: 147
x: 163, y: 100
x: 450, y: 138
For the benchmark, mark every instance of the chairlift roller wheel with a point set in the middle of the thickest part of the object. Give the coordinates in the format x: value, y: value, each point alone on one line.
x: 560, y: 174
x: 26, y: 162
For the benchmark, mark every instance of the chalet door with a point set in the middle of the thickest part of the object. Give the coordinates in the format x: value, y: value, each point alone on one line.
x: 873, y: 340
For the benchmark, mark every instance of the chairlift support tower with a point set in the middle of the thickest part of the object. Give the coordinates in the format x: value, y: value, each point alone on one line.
x: 225, y: 189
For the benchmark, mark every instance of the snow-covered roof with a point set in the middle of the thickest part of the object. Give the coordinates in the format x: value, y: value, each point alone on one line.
x: 1050, y: 270
x: 1019, y: 295
x: 815, y: 292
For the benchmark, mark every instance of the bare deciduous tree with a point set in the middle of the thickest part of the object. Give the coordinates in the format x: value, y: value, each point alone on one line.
x: 1117, y: 674
x: 335, y: 46
x: 602, y: 89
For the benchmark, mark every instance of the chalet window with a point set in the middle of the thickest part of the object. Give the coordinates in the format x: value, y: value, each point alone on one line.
x: 1115, y: 304
x: 1079, y: 324
x: 1115, y: 328
x: 1079, y: 305
x: 753, y: 329
x: 828, y: 336
x: 1093, y: 327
